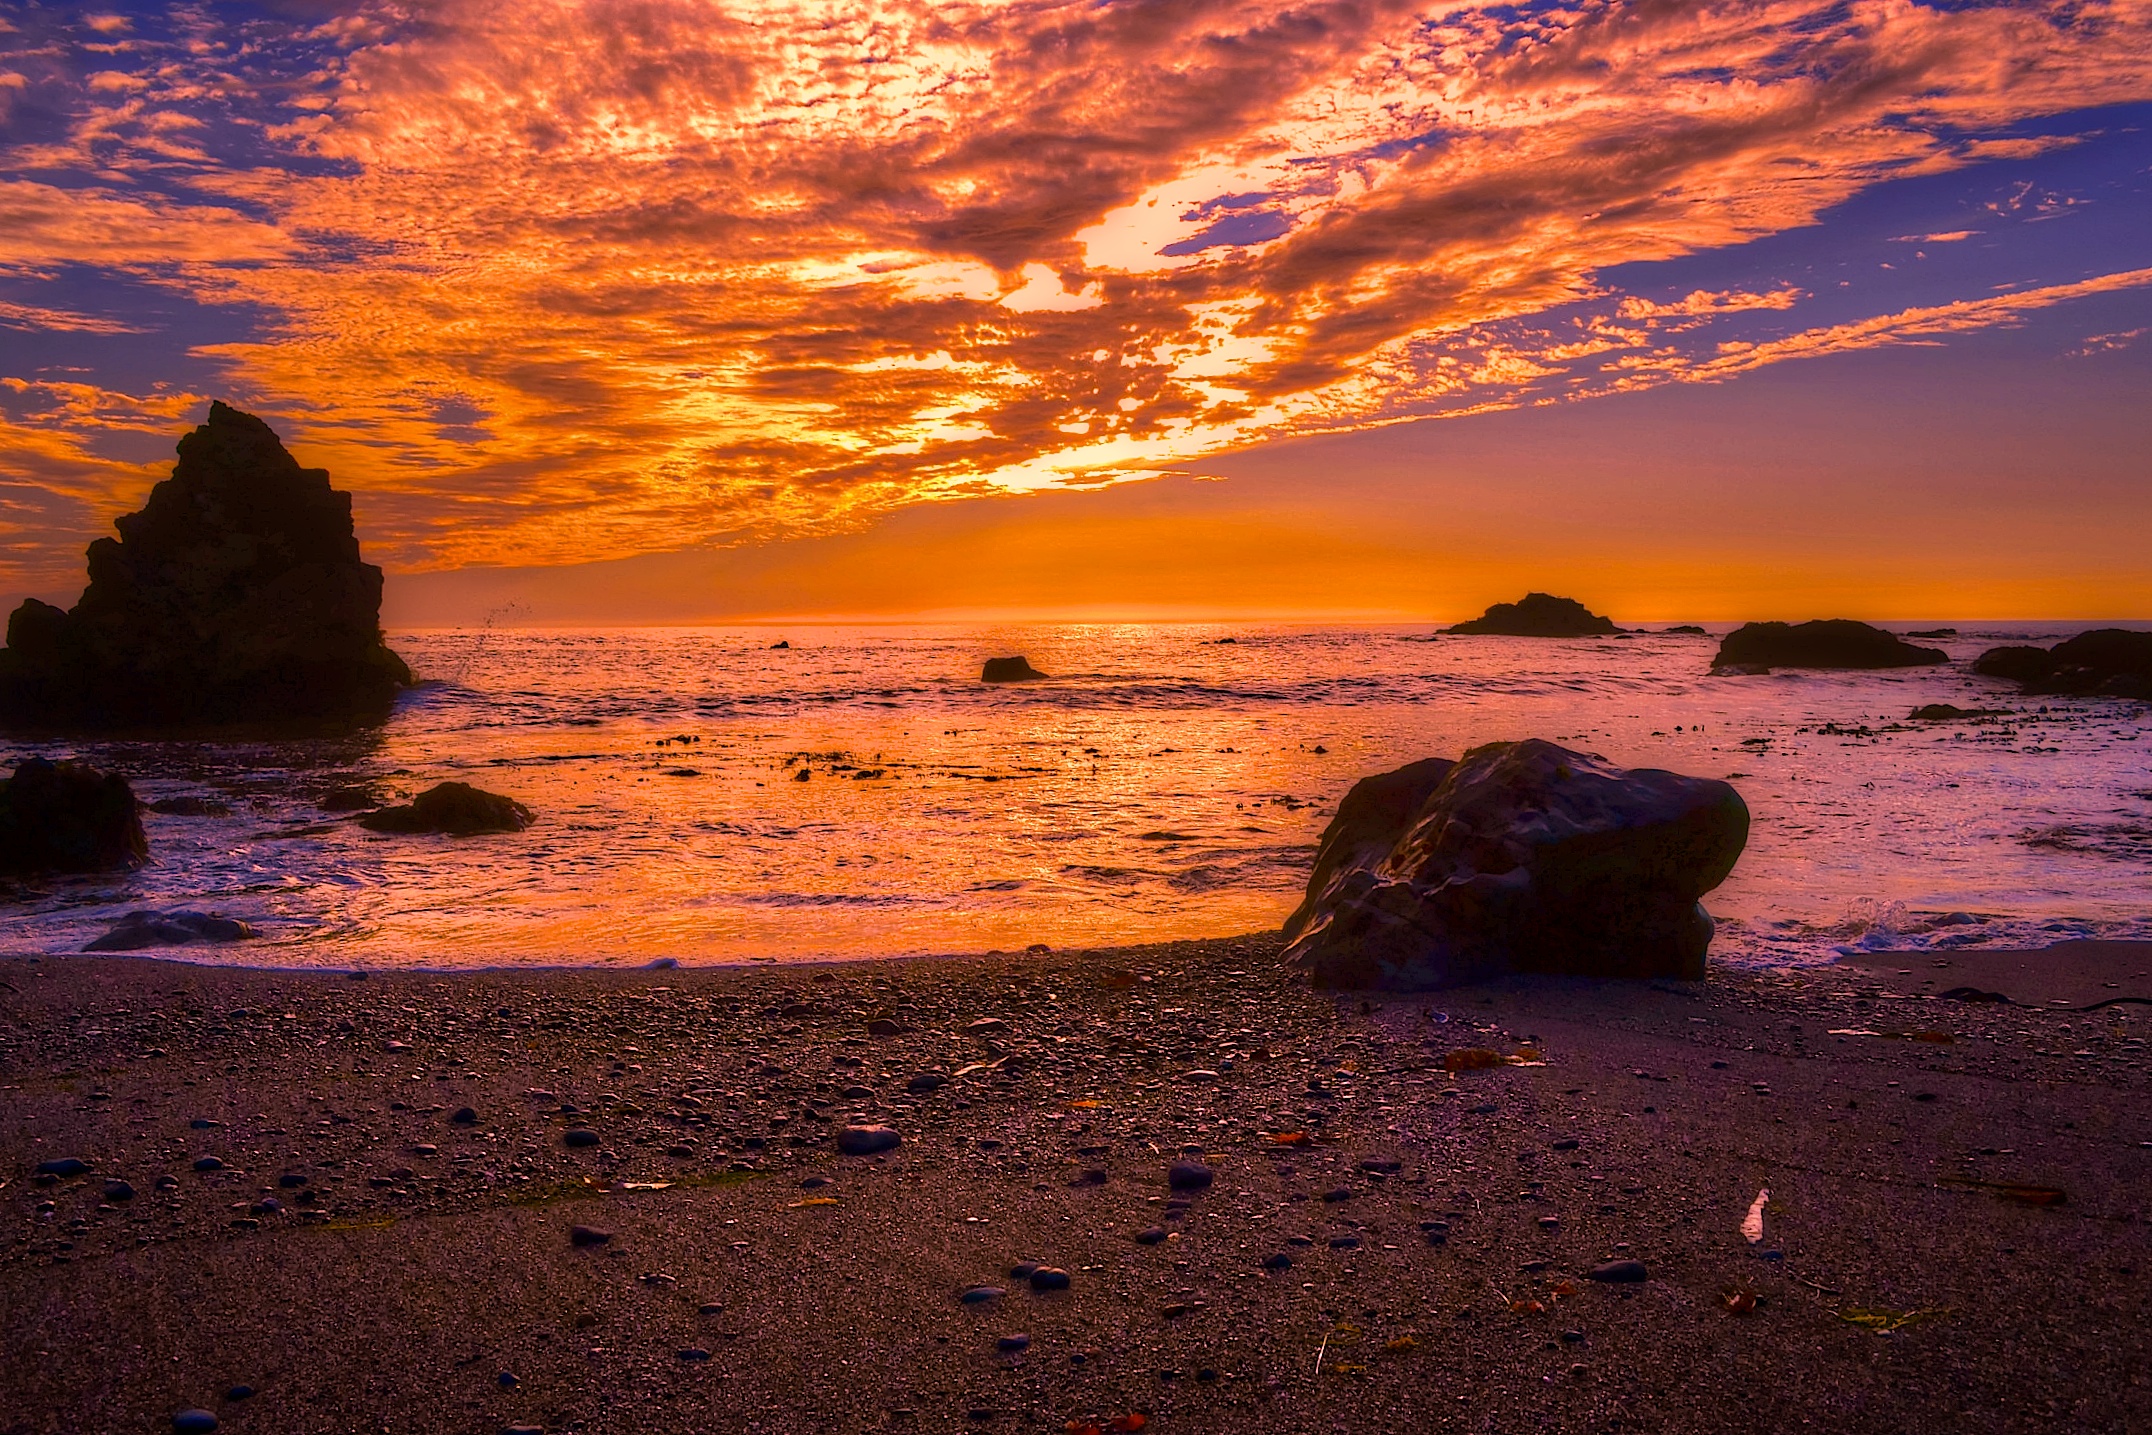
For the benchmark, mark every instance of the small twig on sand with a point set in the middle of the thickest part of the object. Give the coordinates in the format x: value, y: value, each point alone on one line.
x: 1321, y: 1351
x: 1827, y: 1290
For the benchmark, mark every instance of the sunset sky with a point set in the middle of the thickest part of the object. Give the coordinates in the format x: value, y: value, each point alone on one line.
x: 681, y: 310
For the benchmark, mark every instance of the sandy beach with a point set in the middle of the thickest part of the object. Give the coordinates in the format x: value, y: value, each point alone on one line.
x: 278, y: 1196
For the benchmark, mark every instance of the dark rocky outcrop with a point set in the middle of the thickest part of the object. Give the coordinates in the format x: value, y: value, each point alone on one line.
x: 1824, y: 643
x: 1690, y: 630
x: 1520, y: 857
x: 2105, y: 662
x: 1949, y: 712
x: 1539, y: 615
x: 68, y: 817
x: 1009, y: 670
x: 235, y: 596
x: 455, y: 808
x: 142, y: 929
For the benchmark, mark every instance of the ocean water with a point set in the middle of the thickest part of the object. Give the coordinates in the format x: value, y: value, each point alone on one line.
x: 1163, y: 784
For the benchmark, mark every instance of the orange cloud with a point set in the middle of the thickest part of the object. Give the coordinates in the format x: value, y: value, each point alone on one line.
x: 569, y: 279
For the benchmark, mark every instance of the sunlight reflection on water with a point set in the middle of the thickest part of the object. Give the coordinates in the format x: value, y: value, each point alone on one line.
x: 1160, y: 785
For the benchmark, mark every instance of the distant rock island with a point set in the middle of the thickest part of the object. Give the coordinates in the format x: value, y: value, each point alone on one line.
x: 235, y: 596
x: 2105, y: 662
x: 1009, y: 670
x: 1539, y: 615
x: 1824, y: 643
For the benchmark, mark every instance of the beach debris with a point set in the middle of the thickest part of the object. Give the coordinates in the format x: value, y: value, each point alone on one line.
x: 1471, y: 1058
x: 1291, y: 1138
x: 456, y: 809
x: 1738, y: 1300
x: 1883, y: 1321
x: 1752, y: 1223
x: 867, y: 1140
x: 2017, y: 1192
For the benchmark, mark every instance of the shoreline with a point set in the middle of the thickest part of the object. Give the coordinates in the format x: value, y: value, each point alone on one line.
x: 363, y: 1260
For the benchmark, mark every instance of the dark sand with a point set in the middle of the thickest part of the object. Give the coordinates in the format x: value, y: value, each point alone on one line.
x: 422, y: 1260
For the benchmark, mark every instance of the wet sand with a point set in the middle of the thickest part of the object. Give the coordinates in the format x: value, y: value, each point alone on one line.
x: 1956, y: 1234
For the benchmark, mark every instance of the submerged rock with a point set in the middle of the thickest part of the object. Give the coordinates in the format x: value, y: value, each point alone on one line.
x: 1948, y: 712
x: 236, y: 595
x: 69, y: 817
x: 456, y: 808
x: 1009, y: 670
x: 142, y: 929
x: 2105, y: 662
x: 1520, y: 857
x: 1824, y: 643
x: 1539, y: 615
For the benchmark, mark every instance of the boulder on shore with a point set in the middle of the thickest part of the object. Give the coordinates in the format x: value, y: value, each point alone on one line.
x: 235, y: 596
x: 142, y: 929
x: 455, y: 808
x: 1539, y: 615
x: 2105, y: 662
x: 1519, y: 857
x: 1824, y: 643
x: 69, y: 817
x: 1009, y: 670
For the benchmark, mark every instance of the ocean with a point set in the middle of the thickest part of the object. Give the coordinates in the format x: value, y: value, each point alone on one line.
x: 1167, y: 781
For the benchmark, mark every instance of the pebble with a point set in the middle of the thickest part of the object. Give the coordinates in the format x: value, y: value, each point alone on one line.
x: 193, y: 1422
x: 867, y: 1140
x: 1620, y: 1271
x: 927, y: 1081
x: 579, y: 1136
x: 1567, y: 1143
x: 1011, y: 1344
x: 208, y: 1163
x: 1344, y: 1243
x: 1049, y: 1278
x: 1486, y: 1108
x: 240, y: 1392
x: 119, y: 1191
x: 507, y: 1380
x: 516, y: 1429
x: 63, y: 1166
x: 694, y: 1352
x: 588, y: 1236
x: 1338, y: 1193
x: 463, y: 1116
x: 1189, y: 1176
x: 1150, y: 1235
x: 1278, y: 1262
x: 987, y: 1026
x: 883, y: 1026
x: 291, y: 1180
x: 981, y: 1293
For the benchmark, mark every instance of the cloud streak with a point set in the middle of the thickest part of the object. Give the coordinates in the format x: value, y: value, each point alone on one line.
x: 571, y: 279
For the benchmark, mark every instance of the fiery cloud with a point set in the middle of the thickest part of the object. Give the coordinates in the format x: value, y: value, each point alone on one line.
x: 570, y: 279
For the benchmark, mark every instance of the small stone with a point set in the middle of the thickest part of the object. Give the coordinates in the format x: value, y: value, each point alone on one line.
x: 522, y: 1430
x: 1049, y: 1278
x: 579, y: 1136
x: 1022, y: 1270
x: 1485, y: 1108
x: 1617, y: 1271
x: 291, y: 1180
x: 1278, y: 1261
x: 1150, y: 1235
x: 986, y: 1026
x: 694, y: 1352
x: 1573, y: 1337
x: 927, y: 1081
x: 119, y: 1191
x: 1011, y: 1344
x: 1567, y: 1143
x: 1189, y: 1176
x: 463, y: 1116
x: 193, y: 1422
x: 203, y: 1123
x: 1344, y: 1243
x: 709, y: 1308
x: 63, y: 1167
x: 981, y: 1293
x: 814, y: 1183
x: 1550, y: 1223
x: 883, y: 1026
x: 867, y: 1140
x: 1338, y: 1193
x: 208, y: 1163
x: 507, y: 1380
x: 588, y: 1236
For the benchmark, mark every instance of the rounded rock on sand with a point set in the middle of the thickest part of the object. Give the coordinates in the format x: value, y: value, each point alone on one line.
x: 867, y: 1140
x: 63, y: 1167
x: 1049, y: 1278
x: 1188, y: 1176
x: 579, y: 1136
x: 193, y: 1422
x: 1618, y: 1272
x: 588, y: 1236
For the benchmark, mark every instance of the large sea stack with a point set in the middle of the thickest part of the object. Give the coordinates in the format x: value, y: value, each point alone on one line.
x: 1824, y: 643
x: 1519, y: 857
x: 1539, y: 615
x: 2105, y: 662
x: 236, y: 596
